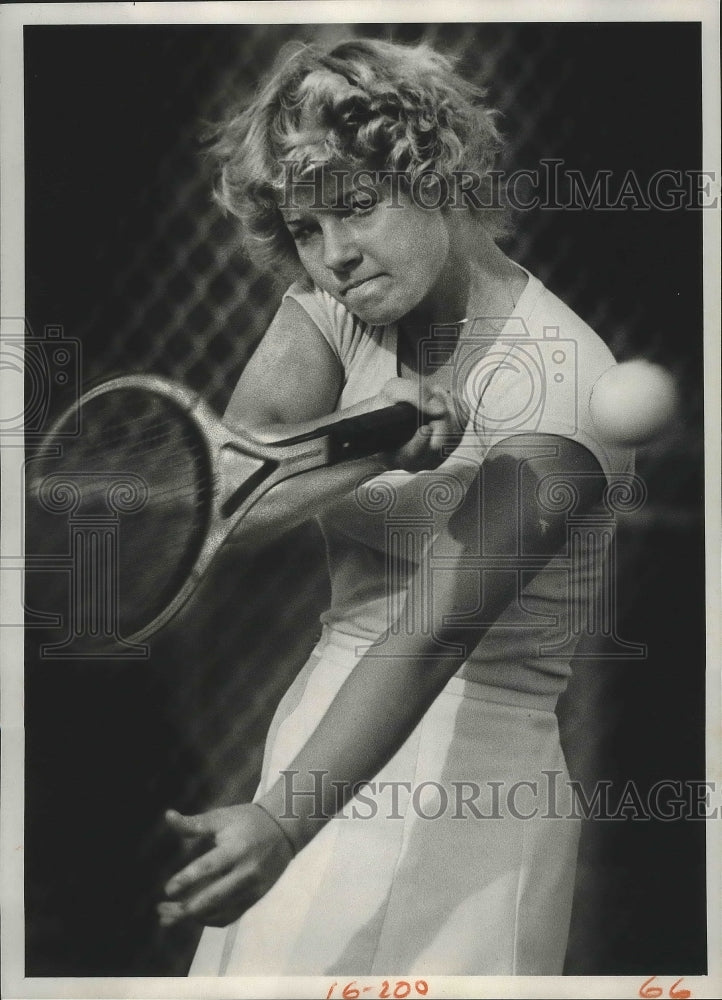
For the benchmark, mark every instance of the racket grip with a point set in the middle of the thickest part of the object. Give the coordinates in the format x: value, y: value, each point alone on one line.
x: 369, y: 433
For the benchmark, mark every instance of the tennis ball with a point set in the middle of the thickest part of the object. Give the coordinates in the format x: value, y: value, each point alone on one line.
x: 633, y: 402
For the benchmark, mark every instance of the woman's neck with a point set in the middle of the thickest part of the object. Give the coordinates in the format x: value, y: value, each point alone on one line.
x: 477, y: 281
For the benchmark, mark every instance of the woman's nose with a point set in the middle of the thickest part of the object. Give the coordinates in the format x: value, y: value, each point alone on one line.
x: 340, y: 251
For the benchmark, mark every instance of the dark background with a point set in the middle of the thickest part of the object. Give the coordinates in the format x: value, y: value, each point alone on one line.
x: 126, y: 251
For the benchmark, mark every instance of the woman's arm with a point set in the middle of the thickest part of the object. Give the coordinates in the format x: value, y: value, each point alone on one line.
x: 391, y: 688
x: 290, y: 386
x: 293, y: 376
x: 386, y: 695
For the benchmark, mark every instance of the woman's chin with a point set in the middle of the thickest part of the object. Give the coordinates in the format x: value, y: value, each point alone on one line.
x: 377, y: 318
x: 377, y: 314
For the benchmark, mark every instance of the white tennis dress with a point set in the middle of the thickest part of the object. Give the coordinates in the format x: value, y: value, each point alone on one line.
x: 460, y: 857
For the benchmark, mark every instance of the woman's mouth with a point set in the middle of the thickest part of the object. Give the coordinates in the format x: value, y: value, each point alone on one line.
x: 360, y: 285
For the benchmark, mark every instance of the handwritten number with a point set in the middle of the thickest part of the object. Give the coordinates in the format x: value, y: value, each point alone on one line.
x: 402, y: 989
x: 650, y: 991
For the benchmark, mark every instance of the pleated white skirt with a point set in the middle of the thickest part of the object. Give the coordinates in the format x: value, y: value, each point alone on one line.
x: 459, y: 859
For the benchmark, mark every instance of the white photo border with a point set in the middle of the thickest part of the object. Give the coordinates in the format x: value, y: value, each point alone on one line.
x: 12, y: 19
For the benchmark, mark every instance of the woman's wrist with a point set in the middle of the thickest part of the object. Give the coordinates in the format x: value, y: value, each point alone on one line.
x: 281, y: 827
x: 297, y: 811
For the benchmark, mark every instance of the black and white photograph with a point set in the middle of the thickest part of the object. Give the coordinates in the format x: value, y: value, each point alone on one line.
x: 360, y: 564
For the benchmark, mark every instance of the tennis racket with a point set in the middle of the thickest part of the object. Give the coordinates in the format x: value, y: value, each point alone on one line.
x: 140, y: 483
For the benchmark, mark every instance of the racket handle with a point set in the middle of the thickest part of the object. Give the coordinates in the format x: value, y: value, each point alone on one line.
x: 369, y: 433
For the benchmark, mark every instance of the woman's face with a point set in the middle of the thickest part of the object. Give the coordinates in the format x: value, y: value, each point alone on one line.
x: 379, y: 260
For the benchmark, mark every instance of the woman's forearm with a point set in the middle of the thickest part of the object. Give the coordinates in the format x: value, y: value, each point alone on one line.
x: 379, y: 704
x: 310, y: 493
x: 374, y: 712
x: 298, y: 498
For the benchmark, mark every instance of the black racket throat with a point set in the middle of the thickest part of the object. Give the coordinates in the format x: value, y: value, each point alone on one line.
x: 344, y: 440
x: 364, y: 434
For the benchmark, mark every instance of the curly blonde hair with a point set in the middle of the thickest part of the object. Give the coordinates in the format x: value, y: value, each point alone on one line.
x: 362, y: 104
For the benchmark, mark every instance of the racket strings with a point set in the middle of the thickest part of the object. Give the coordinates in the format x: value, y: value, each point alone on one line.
x: 192, y: 493
x: 177, y: 455
x: 152, y: 448
x: 151, y: 437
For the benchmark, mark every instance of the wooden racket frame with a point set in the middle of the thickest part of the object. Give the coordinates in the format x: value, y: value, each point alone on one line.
x: 242, y: 467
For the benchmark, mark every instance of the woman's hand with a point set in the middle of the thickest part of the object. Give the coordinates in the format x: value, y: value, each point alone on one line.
x: 439, y: 434
x: 247, y: 853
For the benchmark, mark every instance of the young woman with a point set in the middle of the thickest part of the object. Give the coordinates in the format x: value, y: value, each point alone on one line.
x: 412, y: 814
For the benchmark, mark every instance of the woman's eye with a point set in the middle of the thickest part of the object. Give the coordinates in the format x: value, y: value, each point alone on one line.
x: 358, y: 205
x: 301, y: 234
x: 361, y: 205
